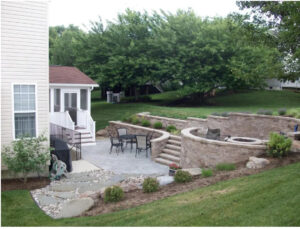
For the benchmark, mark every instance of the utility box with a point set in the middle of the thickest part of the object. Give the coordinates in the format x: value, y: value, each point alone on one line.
x: 109, y: 98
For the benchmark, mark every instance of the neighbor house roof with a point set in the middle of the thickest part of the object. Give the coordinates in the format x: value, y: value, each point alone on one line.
x: 68, y: 75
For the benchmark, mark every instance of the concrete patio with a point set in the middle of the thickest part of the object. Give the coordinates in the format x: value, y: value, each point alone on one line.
x: 122, y: 163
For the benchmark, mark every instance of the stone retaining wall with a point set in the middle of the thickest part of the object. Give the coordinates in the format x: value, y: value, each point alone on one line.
x: 178, y: 123
x: 158, y: 141
x: 236, y: 124
x: 201, y: 152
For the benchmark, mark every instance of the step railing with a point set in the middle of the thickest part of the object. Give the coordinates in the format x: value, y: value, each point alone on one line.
x: 62, y: 119
x: 85, y: 120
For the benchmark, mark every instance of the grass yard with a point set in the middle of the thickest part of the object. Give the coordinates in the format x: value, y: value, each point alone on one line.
x: 270, y: 198
x: 247, y: 101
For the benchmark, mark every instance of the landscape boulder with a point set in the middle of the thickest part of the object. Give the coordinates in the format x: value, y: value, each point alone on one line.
x: 102, y: 133
x: 194, y: 171
x: 76, y: 207
x: 164, y: 180
x: 257, y: 163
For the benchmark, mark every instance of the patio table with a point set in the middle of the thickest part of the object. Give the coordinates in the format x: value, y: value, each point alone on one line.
x: 130, y: 137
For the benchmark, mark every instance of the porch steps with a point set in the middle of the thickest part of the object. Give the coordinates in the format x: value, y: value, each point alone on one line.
x: 86, y: 137
x: 171, y: 153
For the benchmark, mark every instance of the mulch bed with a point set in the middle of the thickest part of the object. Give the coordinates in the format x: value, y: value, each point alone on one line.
x: 18, y: 184
x: 138, y: 197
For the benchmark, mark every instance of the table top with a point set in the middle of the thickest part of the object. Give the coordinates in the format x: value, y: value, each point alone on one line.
x: 130, y: 136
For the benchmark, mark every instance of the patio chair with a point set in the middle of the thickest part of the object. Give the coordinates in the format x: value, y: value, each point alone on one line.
x: 115, y: 142
x: 123, y: 132
x: 149, y: 137
x: 213, y: 134
x: 141, y: 144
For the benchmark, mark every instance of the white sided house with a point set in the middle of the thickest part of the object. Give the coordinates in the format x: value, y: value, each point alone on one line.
x: 24, y: 70
x: 70, y: 104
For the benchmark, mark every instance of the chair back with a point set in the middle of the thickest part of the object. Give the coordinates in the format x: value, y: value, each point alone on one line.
x: 121, y: 131
x: 141, y: 141
x: 213, y: 134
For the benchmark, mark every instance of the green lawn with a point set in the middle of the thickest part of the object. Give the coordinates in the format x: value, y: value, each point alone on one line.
x: 247, y: 101
x: 270, y: 198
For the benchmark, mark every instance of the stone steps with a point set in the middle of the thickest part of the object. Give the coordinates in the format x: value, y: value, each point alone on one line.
x: 163, y: 161
x: 171, y: 153
x: 174, y: 142
x: 173, y: 147
x: 170, y: 157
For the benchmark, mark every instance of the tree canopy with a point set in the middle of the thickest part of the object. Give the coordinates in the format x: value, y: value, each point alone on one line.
x: 199, y: 54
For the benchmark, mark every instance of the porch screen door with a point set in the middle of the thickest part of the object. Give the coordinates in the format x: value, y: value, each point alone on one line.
x: 71, y: 105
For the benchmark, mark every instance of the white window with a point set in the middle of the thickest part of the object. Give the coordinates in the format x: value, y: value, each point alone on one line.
x: 24, y: 110
x: 56, y: 100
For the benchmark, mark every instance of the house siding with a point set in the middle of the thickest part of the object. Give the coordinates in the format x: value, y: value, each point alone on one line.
x: 24, y: 59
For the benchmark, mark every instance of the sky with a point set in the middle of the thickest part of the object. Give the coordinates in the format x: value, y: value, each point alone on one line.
x: 80, y: 12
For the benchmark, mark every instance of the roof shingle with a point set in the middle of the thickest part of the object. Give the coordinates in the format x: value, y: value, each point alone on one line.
x: 68, y: 75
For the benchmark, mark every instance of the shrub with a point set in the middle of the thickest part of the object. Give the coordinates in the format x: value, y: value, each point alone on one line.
x: 279, y: 145
x: 145, y: 122
x: 225, y: 114
x: 207, y: 172
x: 215, y: 114
x: 265, y: 112
x: 293, y: 113
x: 282, y: 111
x: 225, y: 167
x: 135, y: 119
x: 27, y: 155
x: 150, y: 185
x: 171, y: 128
x: 182, y: 176
x: 113, y: 194
x: 158, y: 125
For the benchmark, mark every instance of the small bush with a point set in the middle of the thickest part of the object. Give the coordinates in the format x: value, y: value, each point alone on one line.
x: 135, y: 119
x: 145, y: 122
x: 171, y: 128
x: 264, y: 112
x: 282, y: 111
x: 26, y: 155
x: 225, y: 114
x: 207, y: 172
x: 215, y: 114
x: 113, y: 194
x: 182, y: 176
x: 225, y: 167
x: 158, y: 125
x: 293, y: 113
x: 150, y: 185
x: 279, y: 145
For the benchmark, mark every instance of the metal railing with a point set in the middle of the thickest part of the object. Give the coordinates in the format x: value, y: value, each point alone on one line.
x: 71, y: 137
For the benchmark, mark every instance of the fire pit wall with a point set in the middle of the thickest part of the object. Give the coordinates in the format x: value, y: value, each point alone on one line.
x: 201, y: 152
x: 197, y: 151
x: 159, y: 139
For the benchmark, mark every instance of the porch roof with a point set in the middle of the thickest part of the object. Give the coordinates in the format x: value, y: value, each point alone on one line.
x: 69, y: 75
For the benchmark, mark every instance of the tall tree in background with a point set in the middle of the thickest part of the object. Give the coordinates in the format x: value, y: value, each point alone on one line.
x: 283, y: 18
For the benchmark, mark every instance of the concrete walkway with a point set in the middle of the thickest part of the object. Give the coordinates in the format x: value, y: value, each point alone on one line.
x: 123, y: 163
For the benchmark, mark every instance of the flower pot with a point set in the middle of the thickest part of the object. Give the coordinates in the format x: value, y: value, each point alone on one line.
x: 172, y: 172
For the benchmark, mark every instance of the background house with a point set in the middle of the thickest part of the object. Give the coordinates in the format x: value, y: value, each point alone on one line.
x: 70, y: 102
x: 24, y: 69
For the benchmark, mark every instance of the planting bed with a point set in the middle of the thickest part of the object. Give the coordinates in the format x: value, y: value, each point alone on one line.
x: 18, y: 184
x: 138, y: 197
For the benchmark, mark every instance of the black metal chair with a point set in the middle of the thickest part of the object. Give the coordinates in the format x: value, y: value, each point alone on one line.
x: 149, y: 137
x: 141, y: 144
x: 115, y: 142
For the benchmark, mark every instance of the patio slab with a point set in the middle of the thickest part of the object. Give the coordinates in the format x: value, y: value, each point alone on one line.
x: 122, y: 163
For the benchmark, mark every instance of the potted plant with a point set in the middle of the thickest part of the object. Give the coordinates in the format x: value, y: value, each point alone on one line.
x: 173, y: 168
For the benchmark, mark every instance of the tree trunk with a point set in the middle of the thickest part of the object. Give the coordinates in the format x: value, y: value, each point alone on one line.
x: 147, y: 89
x: 136, y: 93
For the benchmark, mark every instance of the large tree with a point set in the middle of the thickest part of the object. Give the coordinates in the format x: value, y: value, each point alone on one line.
x: 283, y: 19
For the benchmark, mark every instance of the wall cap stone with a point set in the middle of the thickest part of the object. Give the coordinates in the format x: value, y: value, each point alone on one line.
x: 163, y: 118
x: 197, y: 119
x: 264, y: 116
x: 217, y: 117
x: 186, y: 133
x: 165, y: 135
